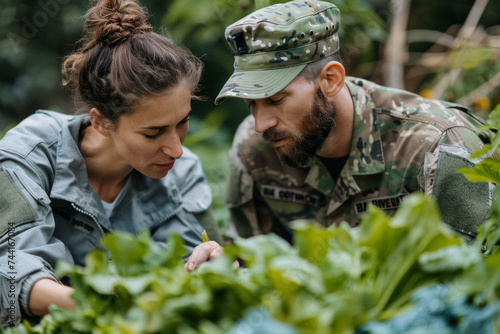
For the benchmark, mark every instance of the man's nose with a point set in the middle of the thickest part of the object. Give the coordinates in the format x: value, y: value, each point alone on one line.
x: 264, y: 119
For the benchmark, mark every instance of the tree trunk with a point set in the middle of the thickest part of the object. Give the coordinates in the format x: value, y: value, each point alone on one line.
x: 395, y: 48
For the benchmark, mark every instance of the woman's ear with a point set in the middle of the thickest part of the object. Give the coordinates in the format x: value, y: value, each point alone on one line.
x: 99, y: 122
x: 331, y: 78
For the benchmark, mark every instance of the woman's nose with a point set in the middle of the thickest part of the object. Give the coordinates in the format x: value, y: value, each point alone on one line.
x: 173, y: 146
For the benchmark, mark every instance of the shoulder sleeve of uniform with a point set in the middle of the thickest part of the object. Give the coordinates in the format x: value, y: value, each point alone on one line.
x: 464, y: 205
x: 239, y: 182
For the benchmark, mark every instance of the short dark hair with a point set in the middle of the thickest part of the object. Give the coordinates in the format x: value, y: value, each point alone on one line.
x: 312, y: 70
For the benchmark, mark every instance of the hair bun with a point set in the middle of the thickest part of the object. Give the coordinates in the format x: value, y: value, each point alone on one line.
x: 114, y: 21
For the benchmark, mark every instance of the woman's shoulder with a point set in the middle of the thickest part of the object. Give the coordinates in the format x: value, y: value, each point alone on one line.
x: 45, y: 123
x: 44, y: 127
x: 54, y: 119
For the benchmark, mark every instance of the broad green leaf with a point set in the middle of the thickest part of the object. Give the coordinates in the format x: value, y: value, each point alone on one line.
x: 350, y: 308
x: 311, y: 241
x: 96, y: 262
x: 487, y: 170
x: 170, y: 256
x: 150, y: 301
x: 262, y: 248
x: 407, y: 235
x: 128, y: 260
x: 289, y: 273
x: 482, y: 281
x: 493, y: 121
x: 452, y: 258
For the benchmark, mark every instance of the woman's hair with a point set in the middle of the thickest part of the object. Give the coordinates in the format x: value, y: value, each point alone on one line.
x: 121, y: 60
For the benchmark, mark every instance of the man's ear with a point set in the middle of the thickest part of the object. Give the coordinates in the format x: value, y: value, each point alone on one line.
x: 331, y: 78
x: 99, y: 122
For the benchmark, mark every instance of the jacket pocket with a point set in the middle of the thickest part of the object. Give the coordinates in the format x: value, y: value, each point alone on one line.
x: 32, y: 187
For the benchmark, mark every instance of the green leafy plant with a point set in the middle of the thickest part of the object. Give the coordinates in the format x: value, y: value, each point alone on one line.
x: 333, y: 280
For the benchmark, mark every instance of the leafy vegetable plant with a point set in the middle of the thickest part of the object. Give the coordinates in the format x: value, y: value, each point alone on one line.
x: 333, y: 280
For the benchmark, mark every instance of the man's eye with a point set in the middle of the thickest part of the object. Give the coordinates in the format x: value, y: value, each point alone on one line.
x: 276, y: 101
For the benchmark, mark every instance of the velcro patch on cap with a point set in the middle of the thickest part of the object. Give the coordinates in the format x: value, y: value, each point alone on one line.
x: 14, y: 206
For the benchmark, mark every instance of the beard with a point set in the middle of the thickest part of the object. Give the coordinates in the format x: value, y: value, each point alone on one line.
x: 314, y: 128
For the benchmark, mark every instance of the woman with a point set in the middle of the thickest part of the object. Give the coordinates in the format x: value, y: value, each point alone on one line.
x: 67, y: 180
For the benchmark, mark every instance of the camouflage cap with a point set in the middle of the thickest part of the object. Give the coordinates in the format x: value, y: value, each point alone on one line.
x: 272, y: 45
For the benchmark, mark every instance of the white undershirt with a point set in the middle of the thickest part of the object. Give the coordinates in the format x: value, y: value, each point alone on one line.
x: 109, y: 207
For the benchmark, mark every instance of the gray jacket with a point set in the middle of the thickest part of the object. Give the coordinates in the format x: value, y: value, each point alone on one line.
x: 49, y: 211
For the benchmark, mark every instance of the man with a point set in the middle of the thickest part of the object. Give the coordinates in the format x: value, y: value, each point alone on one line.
x: 322, y: 146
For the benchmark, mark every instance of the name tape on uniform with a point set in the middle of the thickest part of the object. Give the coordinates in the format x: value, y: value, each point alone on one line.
x: 384, y: 203
x: 284, y: 194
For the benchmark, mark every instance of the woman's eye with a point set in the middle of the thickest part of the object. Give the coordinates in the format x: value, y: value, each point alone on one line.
x: 151, y: 137
x: 160, y: 131
x: 184, y: 121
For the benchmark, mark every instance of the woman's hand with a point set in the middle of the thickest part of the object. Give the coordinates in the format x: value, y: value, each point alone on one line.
x: 46, y: 292
x: 205, y: 252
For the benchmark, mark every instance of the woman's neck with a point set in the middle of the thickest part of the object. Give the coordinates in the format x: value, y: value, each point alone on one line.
x: 106, y: 170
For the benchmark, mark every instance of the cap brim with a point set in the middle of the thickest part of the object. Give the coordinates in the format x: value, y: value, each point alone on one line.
x: 258, y: 84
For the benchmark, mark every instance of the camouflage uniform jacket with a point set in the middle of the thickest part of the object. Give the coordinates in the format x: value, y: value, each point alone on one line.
x: 399, y: 141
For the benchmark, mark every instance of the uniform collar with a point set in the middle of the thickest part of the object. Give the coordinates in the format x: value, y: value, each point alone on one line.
x: 320, y: 179
x: 366, y: 156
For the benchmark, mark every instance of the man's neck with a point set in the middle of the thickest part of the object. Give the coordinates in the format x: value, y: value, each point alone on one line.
x: 338, y: 143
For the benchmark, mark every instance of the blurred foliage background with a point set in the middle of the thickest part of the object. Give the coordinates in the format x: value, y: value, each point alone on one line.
x: 441, y: 49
